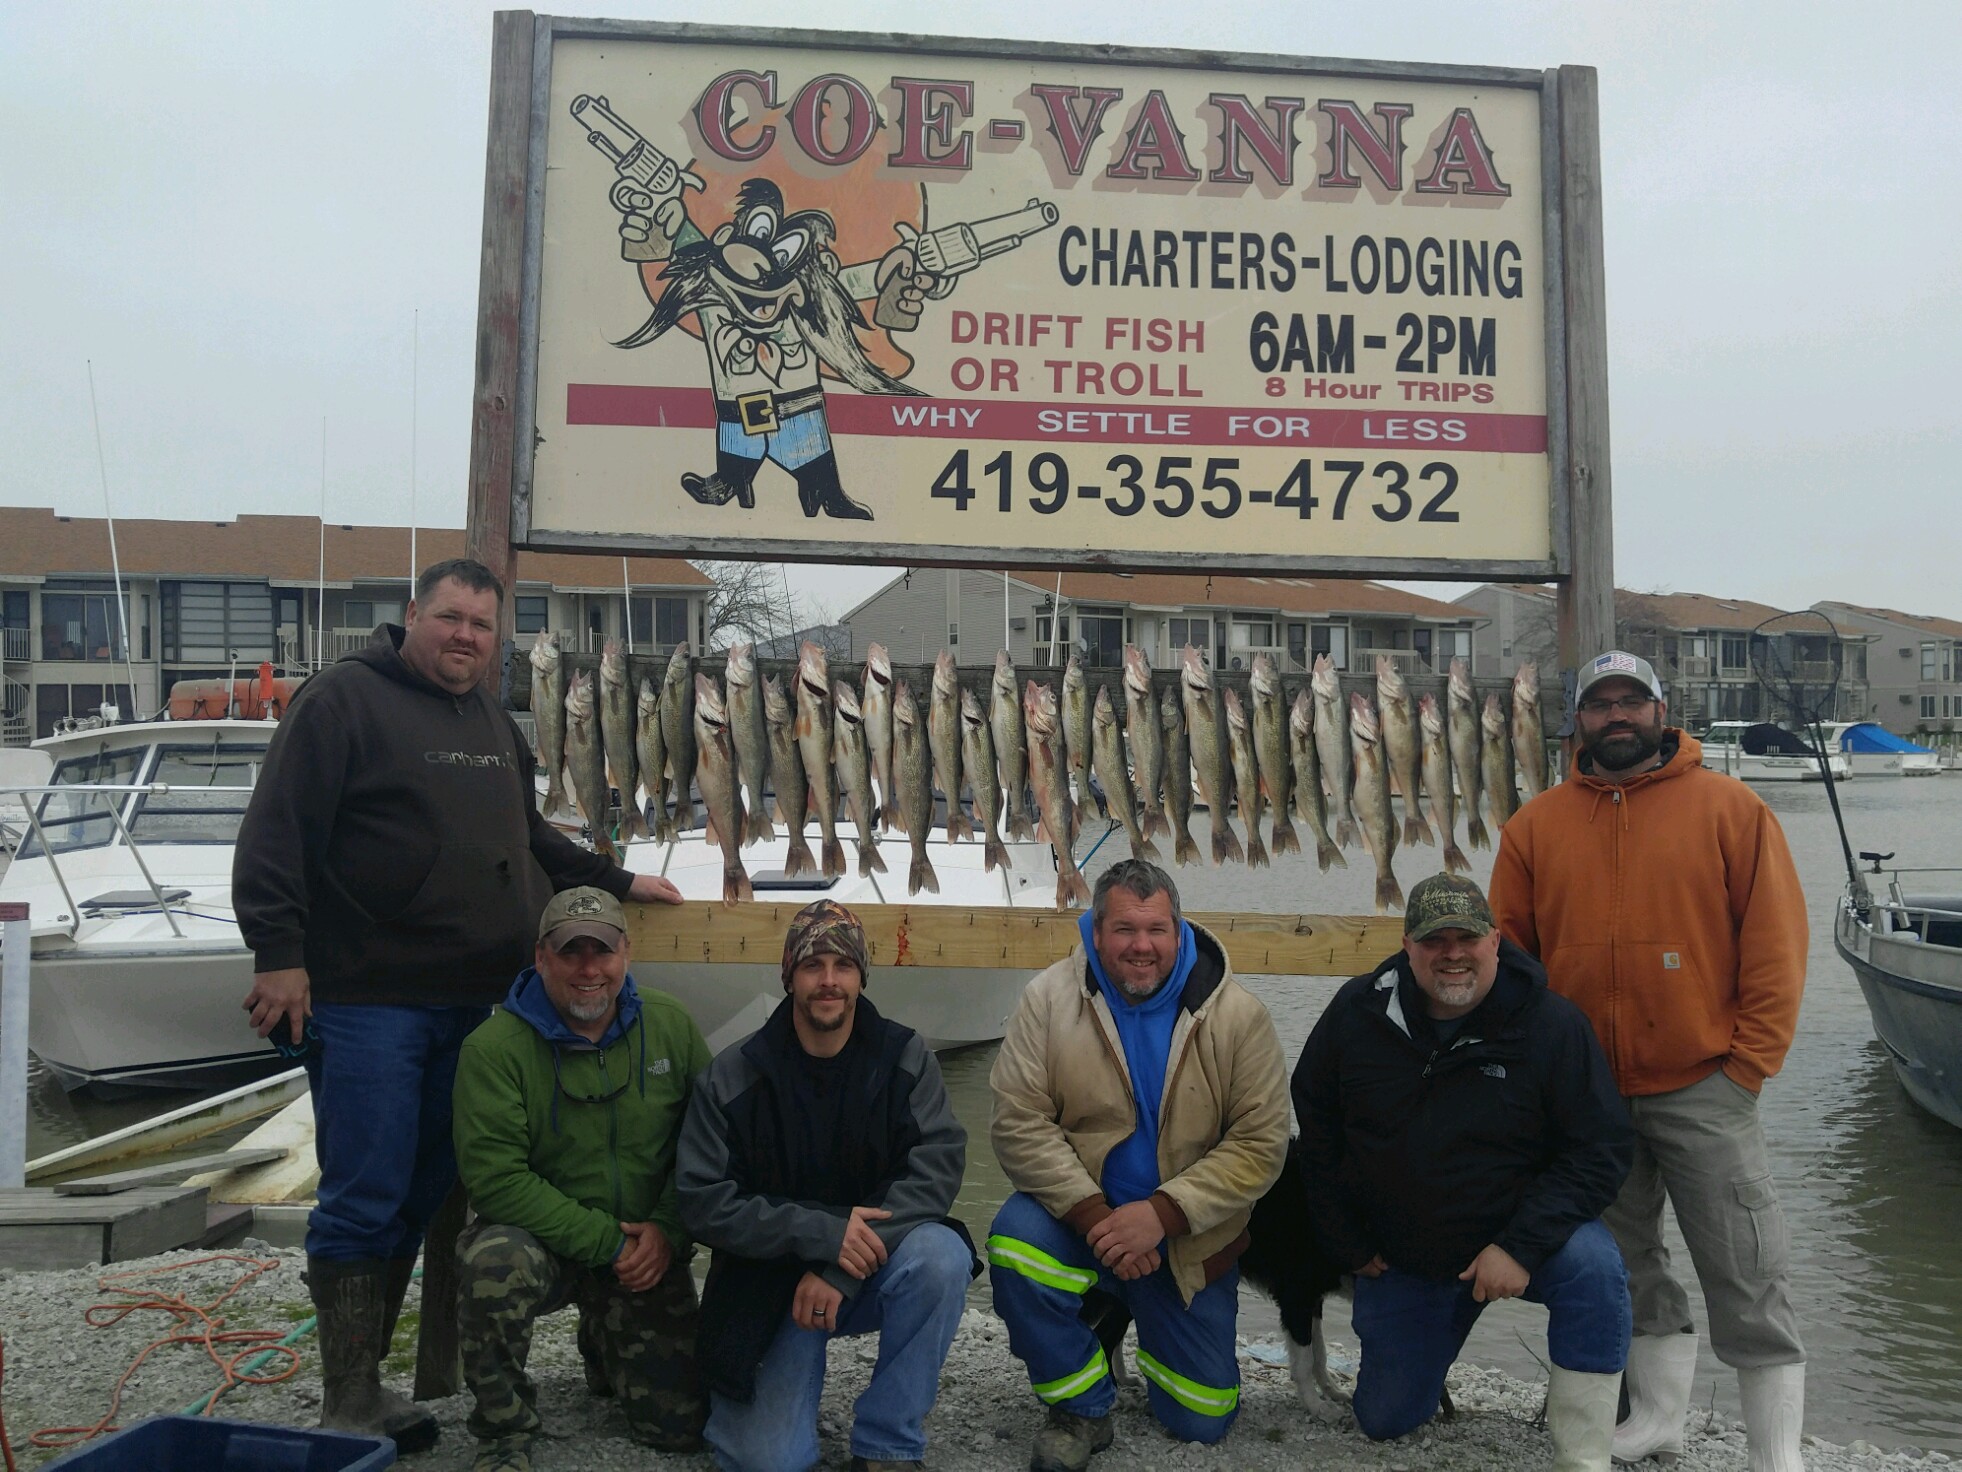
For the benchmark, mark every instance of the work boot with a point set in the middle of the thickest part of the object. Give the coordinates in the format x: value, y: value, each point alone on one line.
x: 351, y: 1300
x: 1580, y: 1417
x: 881, y: 1464
x: 1661, y: 1370
x: 505, y: 1453
x: 1774, y: 1409
x: 592, y: 1353
x: 1068, y: 1441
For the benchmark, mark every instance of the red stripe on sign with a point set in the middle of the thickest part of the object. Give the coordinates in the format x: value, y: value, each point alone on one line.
x: 1079, y: 423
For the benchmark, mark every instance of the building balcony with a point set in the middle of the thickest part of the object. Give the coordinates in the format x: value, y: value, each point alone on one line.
x: 298, y: 651
x: 16, y: 645
x: 1696, y: 667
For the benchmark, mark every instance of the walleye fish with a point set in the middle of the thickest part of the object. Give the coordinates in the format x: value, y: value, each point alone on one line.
x: 1270, y: 748
x: 944, y: 739
x: 912, y: 770
x: 1310, y: 805
x: 1206, y: 738
x: 651, y: 756
x: 678, y: 729
x: 750, y: 737
x: 1075, y: 711
x: 978, y: 757
x: 1379, y: 832
x: 548, y: 716
x: 1145, y: 741
x: 617, y: 734
x: 1461, y: 729
x: 1495, y: 763
x: 1011, y: 747
x: 1332, y: 745
x: 715, y: 769
x: 787, y: 772
x: 585, y: 757
x: 855, y: 773
x: 1246, y: 773
x: 1437, y: 782
x: 1107, y: 756
x: 1528, y: 736
x: 1399, y: 723
x: 1047, y: 777
x: 1178, y: 777
x: 875, y: 705
x: 813, y: 731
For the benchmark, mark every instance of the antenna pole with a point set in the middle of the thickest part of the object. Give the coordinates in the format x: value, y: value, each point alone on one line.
x: 320, y: 583
x: 627, y: 601
x: 115, y: 562
x: 415, y: 389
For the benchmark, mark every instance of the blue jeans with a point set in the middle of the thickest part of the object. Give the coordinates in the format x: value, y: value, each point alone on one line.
x: 381, y: 1079
x: 1412, y: 1328
x: 1040, y: 1270
x: 914, y: 1302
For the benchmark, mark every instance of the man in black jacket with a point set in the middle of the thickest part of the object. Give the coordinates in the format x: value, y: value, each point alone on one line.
x: 389, y: 877
x: 1461, y: 1134
x: 820, y: 1159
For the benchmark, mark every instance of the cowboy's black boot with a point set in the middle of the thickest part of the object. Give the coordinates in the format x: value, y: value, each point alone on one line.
x: 734, y: 480
x: 819, y: 489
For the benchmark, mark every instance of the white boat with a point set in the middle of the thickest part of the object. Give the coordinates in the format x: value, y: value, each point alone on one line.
x: 1872, y: 750
x: 1906, y: 951
x: 139, y: 970
x: 1764, y: 753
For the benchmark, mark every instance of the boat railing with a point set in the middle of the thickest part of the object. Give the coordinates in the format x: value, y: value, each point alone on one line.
x: 91, y: 791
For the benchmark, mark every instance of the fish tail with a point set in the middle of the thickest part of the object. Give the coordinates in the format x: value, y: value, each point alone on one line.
x: 1327, y: 854
x: 798, y: 859
x: 633, y: 822
x: 684, y: 812
x: 994, y: 852
x: 1416, y: 830
x: 1389, y: 894
x: 1184, y: 850
x: 759, y: 824
x: 735, y: 884
x: 869, y: 859
x: 555, y: 802
x: 1475, y: 833
x: 921, y: 875
x: 1078, y: 887
x: 1455, y: 861
x: 959, y: 828
x: 1256, y: 850
x: 1284, y: 840
x: 834, y: 858
x: 1154, y: 823
x: 603, y: 841
x: 1345, y: 833
x: 1226, y: 843
x: 1144, y: 848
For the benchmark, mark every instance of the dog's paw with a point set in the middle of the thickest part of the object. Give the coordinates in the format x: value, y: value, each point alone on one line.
x: 1308, y: 1369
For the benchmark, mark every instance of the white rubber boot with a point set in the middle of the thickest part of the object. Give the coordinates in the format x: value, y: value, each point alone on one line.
x: 1774, y: 1410
x: 1661, y: 1370
x: 1580, y: 1417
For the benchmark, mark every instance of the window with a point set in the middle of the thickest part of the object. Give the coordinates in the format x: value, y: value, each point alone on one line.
x: 1365, y: 639
x: 953, y: 635
x: 1455, y: 644
x: 13, y: 609
x: 1061, y: 637
x: 1298, y: 644
x: 1735, y: 651
x: 1930, y: 662
x: 662, y: 621
x: 1420, y: 642
x: 1948, y: 661
x: 81, y: 626
x: 1927, y: 707
x: 366, y: 613
x: 532, y: 613
x: 1100, y: 637
x: 187, y: 815
x: 1198, y: 632
x: 80, y: 820
x: 1332, y: 640
x: 207, y: 623
x: 1246, y: 632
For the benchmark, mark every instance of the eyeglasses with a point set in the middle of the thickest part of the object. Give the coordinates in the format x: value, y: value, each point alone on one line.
x: 607, y: 1098
x: 1630, y: 705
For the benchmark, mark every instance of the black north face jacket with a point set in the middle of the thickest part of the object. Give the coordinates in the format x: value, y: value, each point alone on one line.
x: 1427, y: 1152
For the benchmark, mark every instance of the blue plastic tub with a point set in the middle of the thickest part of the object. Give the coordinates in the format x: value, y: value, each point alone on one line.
x: 204, y: 1444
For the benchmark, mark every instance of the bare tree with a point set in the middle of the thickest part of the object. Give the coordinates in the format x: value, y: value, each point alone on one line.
x: 750, y: 600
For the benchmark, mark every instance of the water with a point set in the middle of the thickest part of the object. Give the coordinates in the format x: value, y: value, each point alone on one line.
x: 1872, y: 1187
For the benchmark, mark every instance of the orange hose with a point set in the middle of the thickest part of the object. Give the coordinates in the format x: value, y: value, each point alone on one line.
x: 183, y: 1313
x: 6, y: 1447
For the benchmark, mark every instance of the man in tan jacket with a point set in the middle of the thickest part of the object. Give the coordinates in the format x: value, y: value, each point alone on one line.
x: 1141, y: 1108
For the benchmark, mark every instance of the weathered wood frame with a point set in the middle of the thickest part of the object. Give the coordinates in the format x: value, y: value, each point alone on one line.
x: 1580, y: 511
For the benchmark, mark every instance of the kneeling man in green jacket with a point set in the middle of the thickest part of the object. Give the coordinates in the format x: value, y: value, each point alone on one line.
x: 569, y: 1104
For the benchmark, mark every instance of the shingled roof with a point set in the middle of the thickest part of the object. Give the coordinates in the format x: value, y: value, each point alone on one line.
x: 1314, y: 596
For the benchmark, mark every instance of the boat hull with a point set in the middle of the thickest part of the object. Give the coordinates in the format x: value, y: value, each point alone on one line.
x: 1914, y: 992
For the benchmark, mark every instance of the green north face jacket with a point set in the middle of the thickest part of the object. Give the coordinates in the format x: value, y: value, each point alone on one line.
x: 567, y: 1139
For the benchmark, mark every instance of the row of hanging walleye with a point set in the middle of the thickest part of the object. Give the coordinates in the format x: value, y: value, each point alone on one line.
x: 1306, y: 754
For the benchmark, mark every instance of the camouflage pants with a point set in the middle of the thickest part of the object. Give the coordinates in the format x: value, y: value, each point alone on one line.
x: 508, y: 1279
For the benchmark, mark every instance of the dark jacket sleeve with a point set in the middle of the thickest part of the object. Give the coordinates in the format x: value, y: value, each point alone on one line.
x: 1317, y: 1090
x: 565, y: 863
x: 288, y: 821
x: 924, y: 1188
x: 1594, y: 1142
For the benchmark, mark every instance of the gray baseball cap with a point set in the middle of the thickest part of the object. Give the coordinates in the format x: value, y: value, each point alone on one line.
x: 586, y: 911
x: 1617, y: 664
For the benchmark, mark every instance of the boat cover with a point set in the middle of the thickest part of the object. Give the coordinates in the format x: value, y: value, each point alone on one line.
x: 1867, y: 736
x: 1769, y: 740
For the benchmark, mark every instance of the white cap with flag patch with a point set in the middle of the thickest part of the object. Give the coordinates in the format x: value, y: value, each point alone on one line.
x: 1618, y: 664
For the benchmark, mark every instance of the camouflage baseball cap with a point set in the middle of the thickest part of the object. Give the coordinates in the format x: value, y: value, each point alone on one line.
x: 821, y: 927
x: 1446, y: 902
x: 1617, y: 664
x: 588, y: 912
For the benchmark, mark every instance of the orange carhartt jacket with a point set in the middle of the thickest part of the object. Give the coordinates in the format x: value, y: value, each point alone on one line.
x: 1668, y: 908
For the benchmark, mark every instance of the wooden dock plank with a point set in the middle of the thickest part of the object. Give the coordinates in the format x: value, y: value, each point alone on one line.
x: 992, y: 937
x: 39, y: 1229
x: 174, y: 1171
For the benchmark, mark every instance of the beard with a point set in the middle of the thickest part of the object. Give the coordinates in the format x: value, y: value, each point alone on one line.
x: 819, y: 1024
x: 1623, y: 747
x: 1454, y: 993
x: 588, y: 1011
x: 1140, y: 992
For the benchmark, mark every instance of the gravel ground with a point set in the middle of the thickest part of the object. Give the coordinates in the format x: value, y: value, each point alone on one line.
x: 60, y: 1371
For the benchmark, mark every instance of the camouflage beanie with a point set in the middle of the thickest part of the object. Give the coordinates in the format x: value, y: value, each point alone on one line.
x: 825, y: 927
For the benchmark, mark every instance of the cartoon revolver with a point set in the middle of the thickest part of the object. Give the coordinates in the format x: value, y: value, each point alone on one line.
x: 645, y: 178
x: 954, y: 250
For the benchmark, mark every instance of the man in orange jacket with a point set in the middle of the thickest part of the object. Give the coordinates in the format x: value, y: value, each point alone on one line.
x: 1661, y: 897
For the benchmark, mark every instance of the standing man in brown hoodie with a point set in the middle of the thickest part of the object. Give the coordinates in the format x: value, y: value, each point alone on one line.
x: 1662, y: 898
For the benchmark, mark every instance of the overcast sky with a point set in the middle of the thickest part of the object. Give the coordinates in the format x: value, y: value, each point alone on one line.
x: 237, y: 211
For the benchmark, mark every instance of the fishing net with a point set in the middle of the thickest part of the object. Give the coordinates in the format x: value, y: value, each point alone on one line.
x: 1798, y: 658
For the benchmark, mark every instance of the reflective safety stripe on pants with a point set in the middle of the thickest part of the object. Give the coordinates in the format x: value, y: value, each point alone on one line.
x: 1053, y: 1391
x: 1203, y: 1400
x: 1032, y: 1262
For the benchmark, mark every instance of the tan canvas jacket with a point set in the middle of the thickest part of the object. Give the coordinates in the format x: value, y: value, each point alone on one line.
x: 1063, y: 1101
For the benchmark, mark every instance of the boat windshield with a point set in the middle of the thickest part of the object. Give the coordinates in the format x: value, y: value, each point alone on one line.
x: 188, y: 814
x: 81, y: 820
